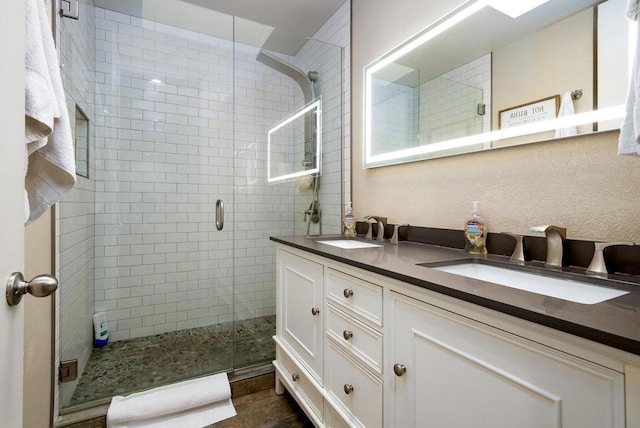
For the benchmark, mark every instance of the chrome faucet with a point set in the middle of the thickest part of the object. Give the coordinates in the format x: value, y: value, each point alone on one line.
x: 518, y: 251
x: 370, y: 222
x: 380, y: 236
x: 555, y: 237
x: 396, y: 233
x: 597, y: 264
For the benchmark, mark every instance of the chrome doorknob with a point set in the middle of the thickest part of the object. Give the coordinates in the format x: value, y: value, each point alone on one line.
x: 347, y: 293
x: 399, y: 369
x: 348, y: 389
x: 315, y: 311
x: 40, y: 286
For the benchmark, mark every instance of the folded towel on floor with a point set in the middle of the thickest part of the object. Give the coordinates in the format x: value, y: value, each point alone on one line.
x: 193, y: 403
x: 51, y: 171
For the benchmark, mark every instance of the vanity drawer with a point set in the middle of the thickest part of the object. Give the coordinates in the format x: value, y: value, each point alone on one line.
x: 356, y: 337
x: 354, y: 388
x: 359, y: 297
x: 299, y: 383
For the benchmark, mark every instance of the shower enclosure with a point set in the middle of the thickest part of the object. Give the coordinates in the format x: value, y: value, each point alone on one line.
x: 175, y: 119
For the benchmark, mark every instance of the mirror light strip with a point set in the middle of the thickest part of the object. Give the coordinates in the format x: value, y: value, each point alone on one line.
x: 317, y: 105
x: 610, y: 113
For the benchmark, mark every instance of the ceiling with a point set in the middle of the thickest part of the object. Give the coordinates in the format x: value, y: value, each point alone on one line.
x: 280, y: 25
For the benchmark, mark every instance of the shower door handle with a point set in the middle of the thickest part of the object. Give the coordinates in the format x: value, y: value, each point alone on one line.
x: 219, y: 214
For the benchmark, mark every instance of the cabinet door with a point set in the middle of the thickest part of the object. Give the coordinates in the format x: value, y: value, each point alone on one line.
x: 460, y: 373
x: 300, y: 292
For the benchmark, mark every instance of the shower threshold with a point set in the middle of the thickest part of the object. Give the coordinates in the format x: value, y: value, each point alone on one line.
x: 127, y: 366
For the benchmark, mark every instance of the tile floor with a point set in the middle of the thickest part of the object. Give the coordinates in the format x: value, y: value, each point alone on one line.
x: 132, y: 365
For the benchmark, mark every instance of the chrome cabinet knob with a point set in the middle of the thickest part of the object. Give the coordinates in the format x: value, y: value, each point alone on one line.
x: 347, y: 293
x: 315, y: 311
x: 295, y: 377
x: 399, y: 369
x: 348, y: 389
x: 347, y: 334
x: 40, y: 286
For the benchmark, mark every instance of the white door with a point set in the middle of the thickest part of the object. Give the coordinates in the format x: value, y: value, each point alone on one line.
x: 11, y: 207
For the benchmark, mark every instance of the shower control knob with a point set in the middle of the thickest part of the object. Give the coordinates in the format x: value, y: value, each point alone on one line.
x: 315, y: 311
x: 348, y: 389
x: 347, y: 293
x: 40, y: 286
x: 347, y: 334
x: 295, y: 377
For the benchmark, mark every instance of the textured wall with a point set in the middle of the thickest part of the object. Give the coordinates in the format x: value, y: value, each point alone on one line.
x: 578, y: 183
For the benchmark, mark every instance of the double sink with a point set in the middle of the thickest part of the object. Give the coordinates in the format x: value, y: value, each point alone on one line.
x: 541, y: 281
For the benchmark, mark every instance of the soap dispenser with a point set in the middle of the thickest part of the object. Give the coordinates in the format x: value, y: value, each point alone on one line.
x: 349, y: 222
x: 475, y: 233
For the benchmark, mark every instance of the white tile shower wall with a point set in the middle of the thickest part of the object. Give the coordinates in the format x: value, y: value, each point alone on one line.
x: 326, y: 60
x: 165, y: 153
x: 337, y: 31
x: 263, y: 98
x: 326, y: 53
x: 75, y: 214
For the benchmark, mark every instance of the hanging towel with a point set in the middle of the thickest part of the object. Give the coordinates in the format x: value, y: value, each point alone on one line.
x: 629, y: 141
x: 48, y: 140
x: 193, y: 403
x: 566, y: 109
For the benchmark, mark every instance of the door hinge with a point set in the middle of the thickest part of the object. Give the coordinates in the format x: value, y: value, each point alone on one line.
x: 68, y: 371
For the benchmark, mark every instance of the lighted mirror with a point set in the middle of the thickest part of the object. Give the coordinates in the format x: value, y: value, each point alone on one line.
x: 81, y: 143
x: 294, y: 144
x: 485, y: 77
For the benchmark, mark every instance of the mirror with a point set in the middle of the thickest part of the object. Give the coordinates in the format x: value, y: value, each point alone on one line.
x: 480, y: 79
x: 293, y: 145
x: 81, y: 143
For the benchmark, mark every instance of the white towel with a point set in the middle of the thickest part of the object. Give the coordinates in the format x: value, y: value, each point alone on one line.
x: 51, y: 171
x: 566, y: 109
x: 629, y: 140
x: 193, y: 403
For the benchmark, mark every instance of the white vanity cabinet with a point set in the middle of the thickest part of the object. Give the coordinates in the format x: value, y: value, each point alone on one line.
x: 300, y: 297
x: 382, y: 353
x: 457, y: 372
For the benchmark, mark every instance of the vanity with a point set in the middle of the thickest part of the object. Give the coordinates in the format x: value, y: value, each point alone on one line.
x: 369, y: 337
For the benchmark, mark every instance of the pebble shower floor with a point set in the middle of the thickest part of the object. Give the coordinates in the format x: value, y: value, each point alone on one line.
x: 132, y: 365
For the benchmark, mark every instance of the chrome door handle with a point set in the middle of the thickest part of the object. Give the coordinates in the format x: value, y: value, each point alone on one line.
x: 315, y: 311
x: 399, y: 369
x: 219, y: 214
x: 40, y: 286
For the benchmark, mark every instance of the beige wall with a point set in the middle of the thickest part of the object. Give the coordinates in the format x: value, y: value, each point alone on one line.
x: 578, y: 183
x: 37, y: 326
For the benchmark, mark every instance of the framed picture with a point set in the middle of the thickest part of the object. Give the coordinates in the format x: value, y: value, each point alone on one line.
x: 544, y: 109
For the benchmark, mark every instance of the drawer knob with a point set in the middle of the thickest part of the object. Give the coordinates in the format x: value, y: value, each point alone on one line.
x: 399, y: 369
x: 347, y: 293
x: 315, y: 311
x: 348, y: 389
x: 347, y: 334
x: 295, y: 377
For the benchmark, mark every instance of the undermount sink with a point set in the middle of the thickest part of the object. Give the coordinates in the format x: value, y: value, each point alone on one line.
x: 349, y: 244
x: 561, y: 288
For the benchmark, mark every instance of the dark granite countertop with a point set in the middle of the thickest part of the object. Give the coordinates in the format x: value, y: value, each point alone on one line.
x: 615, y: 322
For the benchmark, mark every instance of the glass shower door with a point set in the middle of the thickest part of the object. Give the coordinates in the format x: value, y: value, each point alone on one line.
x: 137, y: 239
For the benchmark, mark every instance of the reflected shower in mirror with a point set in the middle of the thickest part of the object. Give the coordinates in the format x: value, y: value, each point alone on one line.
x: 443, y: 91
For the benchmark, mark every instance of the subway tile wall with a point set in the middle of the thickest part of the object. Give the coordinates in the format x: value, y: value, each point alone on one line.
x: 75, y: 215
x: 164, y: 154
